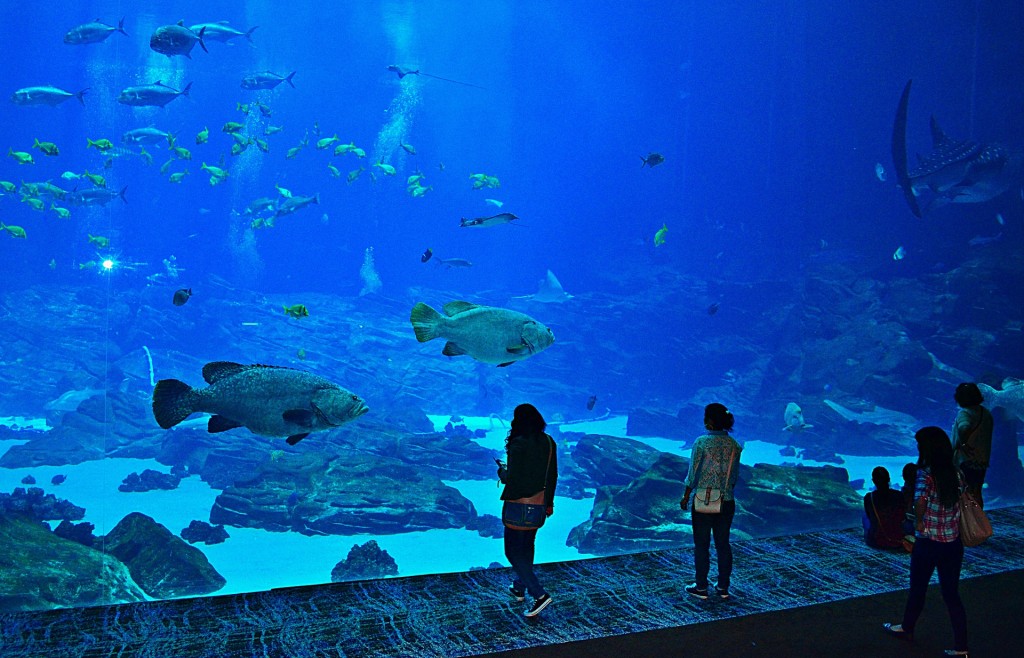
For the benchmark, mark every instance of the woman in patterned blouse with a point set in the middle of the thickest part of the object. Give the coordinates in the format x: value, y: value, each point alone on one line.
x: 938, y: 545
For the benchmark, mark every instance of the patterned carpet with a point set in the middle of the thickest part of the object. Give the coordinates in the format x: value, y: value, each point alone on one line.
x: 466, y: 614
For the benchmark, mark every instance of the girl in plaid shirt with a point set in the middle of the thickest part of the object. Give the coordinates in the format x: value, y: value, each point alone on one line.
x: 938, y: 545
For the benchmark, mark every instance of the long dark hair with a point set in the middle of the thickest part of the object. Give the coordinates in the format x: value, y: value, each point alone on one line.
x: 936, y: 453
x: 525, y: 420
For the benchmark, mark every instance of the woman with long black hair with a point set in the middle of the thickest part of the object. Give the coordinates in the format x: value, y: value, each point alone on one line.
x: 529, y: 494
x: 938, y: 544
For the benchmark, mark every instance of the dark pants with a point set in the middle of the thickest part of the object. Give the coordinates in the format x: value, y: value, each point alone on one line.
x: 927, y: 556
x: 704, y: 525
x: 519, y: 546
x: 974, y: 477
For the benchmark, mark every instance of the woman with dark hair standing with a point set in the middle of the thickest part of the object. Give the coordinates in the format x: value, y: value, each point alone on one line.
x: 714, y: 467
x: 530, y: 479
x: 972, y: 438
x: 938, y: 543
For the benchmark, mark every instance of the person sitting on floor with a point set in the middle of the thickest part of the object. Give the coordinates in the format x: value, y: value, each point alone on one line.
x: 884, y: 508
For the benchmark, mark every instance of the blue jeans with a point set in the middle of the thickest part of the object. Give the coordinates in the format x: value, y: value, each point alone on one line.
x: 704, y: 525
x: 927, y: 556
x: 519, y: 546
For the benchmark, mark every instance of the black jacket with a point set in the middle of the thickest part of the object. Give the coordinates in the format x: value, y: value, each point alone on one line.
x: 527, y: 462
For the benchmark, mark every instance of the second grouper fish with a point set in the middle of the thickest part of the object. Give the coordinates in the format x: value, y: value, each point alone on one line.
x: 486, y: 333
x: 267, y: 400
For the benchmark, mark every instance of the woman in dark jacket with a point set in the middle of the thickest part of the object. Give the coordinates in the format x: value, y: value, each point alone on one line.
x: 530, y: 479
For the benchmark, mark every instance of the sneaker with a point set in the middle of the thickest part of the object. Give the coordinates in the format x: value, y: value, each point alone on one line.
x: 693, y: 590
x: 538, y: 605
x: 518, y: 595
x: 721, y: 593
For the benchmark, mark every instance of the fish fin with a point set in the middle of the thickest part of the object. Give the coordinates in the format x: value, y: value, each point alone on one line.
x: 451, y: 349
x: 506, y: 364
x: 425, y: 321
x: 295, y: 438
x: 289, y: 79
x: 454, y: 308
x: 217, y: 370
x: 300, y: 417
x: 218, y: 423
x: 518, y: 349
x: 201, y: 34
x: 173, y: 402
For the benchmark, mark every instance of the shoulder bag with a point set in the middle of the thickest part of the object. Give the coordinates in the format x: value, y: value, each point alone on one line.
x: 974, y: 525
x: 528, y: 513
x: 710, y: 501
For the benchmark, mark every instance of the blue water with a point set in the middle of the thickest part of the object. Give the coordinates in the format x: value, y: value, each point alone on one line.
x: 771, y: 121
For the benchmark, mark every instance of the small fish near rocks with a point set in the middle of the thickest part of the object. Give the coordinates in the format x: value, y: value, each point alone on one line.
x: 270, y: 401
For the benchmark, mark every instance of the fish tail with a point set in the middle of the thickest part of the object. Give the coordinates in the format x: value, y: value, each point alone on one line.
x: 248, y: 35
x: 173, y: 402
x: 425, y: 322
x: 289, y: 79
x: 202, y: 44
x: 184, y: 92
x: 643, y: 161
x: 81, y: 95
x: 120, y: 26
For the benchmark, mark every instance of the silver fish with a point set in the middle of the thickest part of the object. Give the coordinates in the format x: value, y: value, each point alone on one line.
x: 93, y: 32
x: 95, y: 196
x: 294, y: 204
x: 221, y: 31
x: 177, y: 39
x: 45, y: 95
x: 266, y: 80
x: 155, y: 95
x: 148, y: 135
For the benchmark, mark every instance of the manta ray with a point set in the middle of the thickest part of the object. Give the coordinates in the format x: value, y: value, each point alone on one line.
x: 549, y: 291
x: 956, y: 171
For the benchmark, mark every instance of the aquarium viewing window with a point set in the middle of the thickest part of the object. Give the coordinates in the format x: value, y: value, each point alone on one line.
x: 272, y: 282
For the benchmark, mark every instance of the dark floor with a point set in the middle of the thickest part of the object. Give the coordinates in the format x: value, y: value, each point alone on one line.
x: 822, y: 593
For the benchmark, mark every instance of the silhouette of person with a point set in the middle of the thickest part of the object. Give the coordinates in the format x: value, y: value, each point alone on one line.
x: 938, y: 545
x: 530, y: 479
x: 972, y: 438
x: 884, y: 509
x: 714, y: 466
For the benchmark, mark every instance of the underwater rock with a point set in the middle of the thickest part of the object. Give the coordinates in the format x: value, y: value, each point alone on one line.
x: 149, y: 480
x: 610, y: 460
x: 77, y: 532
x: 47, y: 571
x: 649, y: 422
x: 200, y: 531
x: 35, y: 504
x: 163, y: 565
x: 344, y: 494
x: 363, y: 563
x: 487, y: 526
x: 788, y: 500
x: 771, y: 500
x: 101, y: 427
x: 640, y: 516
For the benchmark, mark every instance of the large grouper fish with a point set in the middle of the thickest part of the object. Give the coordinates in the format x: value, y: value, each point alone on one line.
x: 267, y: 400
x: 486, y: 333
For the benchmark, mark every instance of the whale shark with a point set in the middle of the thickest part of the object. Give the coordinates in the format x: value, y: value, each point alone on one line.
x: 955, y: 171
